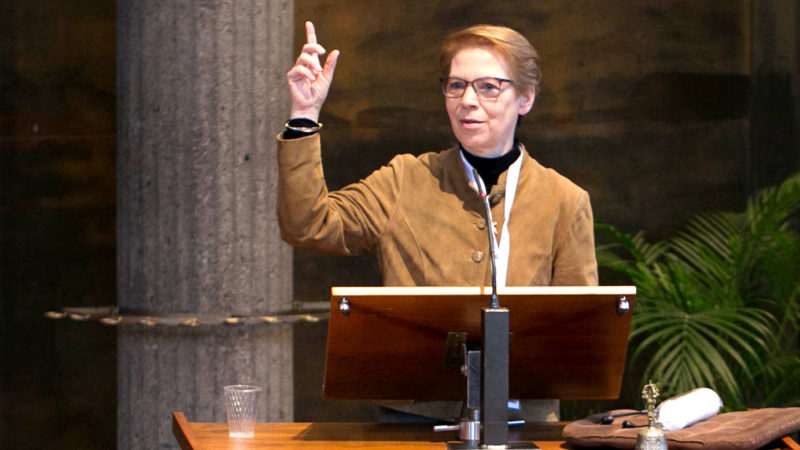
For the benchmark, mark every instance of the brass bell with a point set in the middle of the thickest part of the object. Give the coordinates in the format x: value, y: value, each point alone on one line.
x: 652, y: 437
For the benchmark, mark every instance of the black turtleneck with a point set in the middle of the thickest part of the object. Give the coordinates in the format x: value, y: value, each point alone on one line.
x: 490, y: 169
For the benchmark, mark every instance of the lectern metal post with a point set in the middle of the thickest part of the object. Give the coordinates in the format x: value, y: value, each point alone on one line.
x: 494, y: 393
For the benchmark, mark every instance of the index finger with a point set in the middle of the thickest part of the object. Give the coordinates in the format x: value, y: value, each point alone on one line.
x: 311, y: 34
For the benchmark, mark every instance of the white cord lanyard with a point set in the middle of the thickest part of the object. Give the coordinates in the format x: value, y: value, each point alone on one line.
x: 504, y: 247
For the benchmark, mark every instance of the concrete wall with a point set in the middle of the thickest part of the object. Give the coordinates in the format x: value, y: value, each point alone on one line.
x: 645, y: 105
x: 57, y: 215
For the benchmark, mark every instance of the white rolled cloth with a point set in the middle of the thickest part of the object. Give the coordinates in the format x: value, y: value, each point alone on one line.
x: 690, y: 407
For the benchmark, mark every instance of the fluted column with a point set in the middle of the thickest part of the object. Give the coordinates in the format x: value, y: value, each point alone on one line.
x: 200, y: 96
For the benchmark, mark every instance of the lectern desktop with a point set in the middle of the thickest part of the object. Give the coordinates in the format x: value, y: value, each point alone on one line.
x: 447, y: 343
x: 391, y: 342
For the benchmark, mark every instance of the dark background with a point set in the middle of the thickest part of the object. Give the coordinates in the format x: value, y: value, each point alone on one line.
x: 660, y: 109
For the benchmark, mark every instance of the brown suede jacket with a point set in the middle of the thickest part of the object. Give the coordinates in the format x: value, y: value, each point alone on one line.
x: 425, y: 224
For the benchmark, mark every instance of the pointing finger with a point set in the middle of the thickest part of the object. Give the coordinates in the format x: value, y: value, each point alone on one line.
x: 311, y: 41
x: 311, y: 34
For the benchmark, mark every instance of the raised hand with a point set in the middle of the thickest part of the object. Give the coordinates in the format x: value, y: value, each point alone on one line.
x: 308, y: 80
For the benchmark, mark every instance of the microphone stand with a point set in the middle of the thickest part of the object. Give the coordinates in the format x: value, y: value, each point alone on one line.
x: 492, y: 410
x: 494, y: 350
x: 495, y: 302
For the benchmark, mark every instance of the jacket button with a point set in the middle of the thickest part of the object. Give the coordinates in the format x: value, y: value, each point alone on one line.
x: 477, y: 256
x: 481, y: 224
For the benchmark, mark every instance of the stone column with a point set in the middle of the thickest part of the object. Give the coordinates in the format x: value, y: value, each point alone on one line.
x: 200, y: 95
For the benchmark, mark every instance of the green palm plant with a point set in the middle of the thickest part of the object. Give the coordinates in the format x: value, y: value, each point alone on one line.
x: 718, y: 303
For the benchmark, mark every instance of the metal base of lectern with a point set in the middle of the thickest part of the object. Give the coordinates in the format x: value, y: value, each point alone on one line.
x: 513, y: 445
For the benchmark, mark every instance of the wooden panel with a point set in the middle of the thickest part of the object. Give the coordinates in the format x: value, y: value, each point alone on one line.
x: 567, y: 342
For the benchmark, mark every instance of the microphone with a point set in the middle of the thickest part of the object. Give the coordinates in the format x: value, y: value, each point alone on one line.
x: 494, y: 199
x: 495, y: 302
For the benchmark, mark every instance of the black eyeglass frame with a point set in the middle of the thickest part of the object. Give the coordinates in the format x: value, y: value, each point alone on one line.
x: 474, y: 83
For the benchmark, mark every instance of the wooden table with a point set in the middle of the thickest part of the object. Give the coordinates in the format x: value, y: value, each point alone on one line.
x: 214, y: 436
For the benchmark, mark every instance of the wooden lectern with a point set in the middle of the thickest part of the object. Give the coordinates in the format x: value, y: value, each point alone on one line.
x: 391, y: 342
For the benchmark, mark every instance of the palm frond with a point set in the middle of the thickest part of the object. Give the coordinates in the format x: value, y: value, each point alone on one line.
x: 718, y: 303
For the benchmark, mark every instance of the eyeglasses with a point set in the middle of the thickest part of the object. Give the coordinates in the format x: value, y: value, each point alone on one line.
x: 485, y: 87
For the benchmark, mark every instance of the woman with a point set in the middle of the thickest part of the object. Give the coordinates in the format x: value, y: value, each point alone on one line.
x: 421, y: 215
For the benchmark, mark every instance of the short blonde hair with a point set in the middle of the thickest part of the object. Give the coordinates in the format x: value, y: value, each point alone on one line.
x: 520, y: 56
